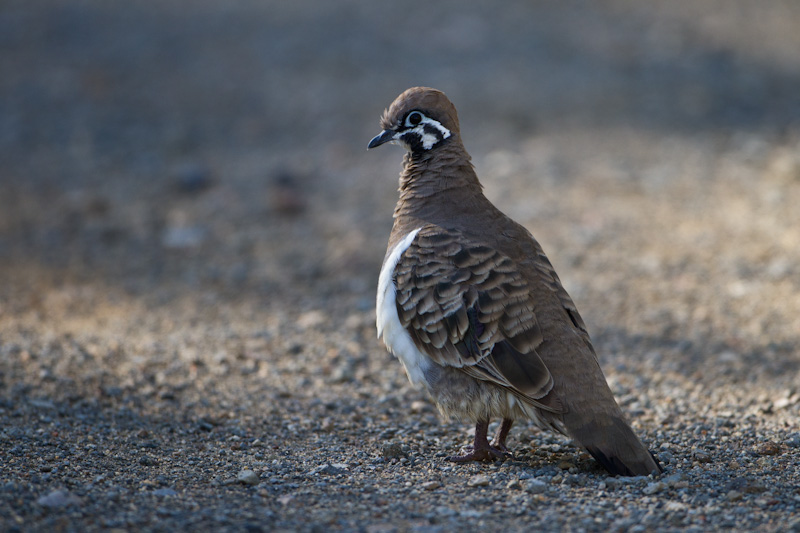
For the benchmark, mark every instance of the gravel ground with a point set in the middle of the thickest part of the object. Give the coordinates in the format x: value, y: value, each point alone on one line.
x: 191, y: 232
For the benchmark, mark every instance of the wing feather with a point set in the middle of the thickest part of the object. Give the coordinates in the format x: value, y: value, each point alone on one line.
x: 468, y: 306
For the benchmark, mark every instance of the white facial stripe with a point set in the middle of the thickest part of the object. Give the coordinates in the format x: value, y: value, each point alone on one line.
x: 444, y: 131
x: 428, y: 139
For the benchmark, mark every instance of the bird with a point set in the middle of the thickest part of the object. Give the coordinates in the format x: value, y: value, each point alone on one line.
x: 470, y: 304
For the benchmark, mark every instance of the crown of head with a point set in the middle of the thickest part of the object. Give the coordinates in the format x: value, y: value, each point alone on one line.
x: 420, y: 119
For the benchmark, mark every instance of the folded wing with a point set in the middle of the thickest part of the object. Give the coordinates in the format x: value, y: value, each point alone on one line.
x: 466, y: 305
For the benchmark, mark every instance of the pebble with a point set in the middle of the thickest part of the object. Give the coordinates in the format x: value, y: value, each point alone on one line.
x: 769, y: 448
x: 666, y: 457
x: 793, y: 440
x: 479, y: 480
x: 330, y: 469
x: 677, y: 480
x: 654, y: 488
x: 247, y: 477
x: 391, y: 450
x: 733, y: 496
x: 535, y: 486
x: 58, y: 498
x: 431, y: 485
x: 566, y: 465
x: 673, y: 506
x: 701, y: 457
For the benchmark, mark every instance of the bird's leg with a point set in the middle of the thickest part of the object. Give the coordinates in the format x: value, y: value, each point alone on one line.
x: 499, y: 441
x: 481, y: 450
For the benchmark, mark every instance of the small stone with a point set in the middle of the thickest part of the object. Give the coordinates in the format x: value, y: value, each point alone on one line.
x: 753, y: 487
x: 769, y: 448
x: 674, y: 480
x: 654, y: 488
x: 733, y: 496
x: 343, y: 374
x: 330, y: 469
x: 666, y: 457
x: 58, y: 498
x: 786, y: 401
x: 674, y: 506
x: 311, y: 319
x: 165, y: 492
x: 247, y: 477
x: 701, y: 457
x: 514, y: 484
x: 478, y: 481
x: 327, y: 424
x: 535, y: 486
x: 566, y: 465
x: 431, y: 485
x: 42, y: 404
x: 392, y: 450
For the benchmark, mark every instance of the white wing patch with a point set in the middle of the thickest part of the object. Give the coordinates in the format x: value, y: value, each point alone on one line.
x: 394, y: 335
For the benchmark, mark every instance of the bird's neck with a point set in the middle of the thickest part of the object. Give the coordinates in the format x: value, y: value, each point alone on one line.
x: 438, y: 183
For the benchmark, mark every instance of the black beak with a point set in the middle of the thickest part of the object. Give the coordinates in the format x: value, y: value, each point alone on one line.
x: 382, y: 138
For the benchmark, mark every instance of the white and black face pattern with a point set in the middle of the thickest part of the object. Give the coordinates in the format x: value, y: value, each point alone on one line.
x: 420, y: 133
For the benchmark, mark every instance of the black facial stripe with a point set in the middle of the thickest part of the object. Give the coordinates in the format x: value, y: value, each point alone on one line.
x: 415, y: 140
x: 433, y: 130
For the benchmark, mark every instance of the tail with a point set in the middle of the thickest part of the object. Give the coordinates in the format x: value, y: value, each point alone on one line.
x: 612, y: 442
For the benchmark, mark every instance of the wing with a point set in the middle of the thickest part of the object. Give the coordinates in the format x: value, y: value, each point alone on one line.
x: 467, y: 306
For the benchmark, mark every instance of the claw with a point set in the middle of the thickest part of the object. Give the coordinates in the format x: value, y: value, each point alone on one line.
x: 481, y: 450
x: 483, y: 454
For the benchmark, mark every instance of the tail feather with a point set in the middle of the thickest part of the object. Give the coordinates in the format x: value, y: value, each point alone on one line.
x: 612, y: 442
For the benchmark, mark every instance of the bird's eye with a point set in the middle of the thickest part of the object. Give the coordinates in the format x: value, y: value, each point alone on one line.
x: 414, y: 119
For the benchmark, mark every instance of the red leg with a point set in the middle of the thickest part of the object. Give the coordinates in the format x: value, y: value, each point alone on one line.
x: 499, y: 441
x: 481, y: 450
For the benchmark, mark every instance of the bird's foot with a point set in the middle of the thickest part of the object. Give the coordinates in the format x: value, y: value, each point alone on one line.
x: 501, y: 447
x: 499, y: 441
x: 489, y: 453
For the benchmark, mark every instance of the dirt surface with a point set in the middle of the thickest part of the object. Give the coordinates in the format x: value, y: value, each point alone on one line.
x: 191, y: 231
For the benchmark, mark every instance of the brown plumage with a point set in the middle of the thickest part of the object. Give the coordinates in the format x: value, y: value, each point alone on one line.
x: 470, y: 304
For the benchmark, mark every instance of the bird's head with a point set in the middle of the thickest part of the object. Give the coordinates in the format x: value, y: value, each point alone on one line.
x: 420, y: 119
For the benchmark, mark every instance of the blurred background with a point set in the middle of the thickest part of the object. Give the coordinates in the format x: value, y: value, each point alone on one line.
x: 185, y: 190
x: 191, y: 230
